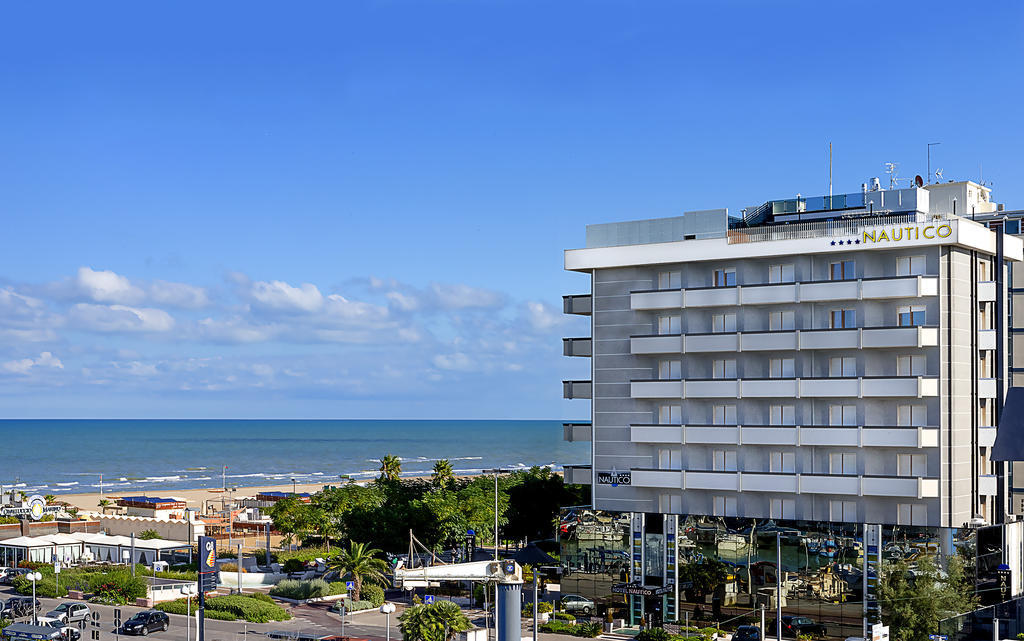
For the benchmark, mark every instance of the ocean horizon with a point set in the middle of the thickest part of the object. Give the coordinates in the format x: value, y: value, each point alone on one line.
x: 65, y: 456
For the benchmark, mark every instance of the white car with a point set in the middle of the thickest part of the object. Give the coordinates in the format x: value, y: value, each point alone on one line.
x: 70, y: 612
x: 68, y: 632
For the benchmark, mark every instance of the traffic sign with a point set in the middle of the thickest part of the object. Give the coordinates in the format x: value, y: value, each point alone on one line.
x: 428, y: 598
x: 350, y: 585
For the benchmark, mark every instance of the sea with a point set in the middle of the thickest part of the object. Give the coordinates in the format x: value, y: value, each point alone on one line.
x: 146, y: 456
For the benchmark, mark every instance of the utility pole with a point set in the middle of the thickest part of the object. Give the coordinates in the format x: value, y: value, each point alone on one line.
x: 778, y: 585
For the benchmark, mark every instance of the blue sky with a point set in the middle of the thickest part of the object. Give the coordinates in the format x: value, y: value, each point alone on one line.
x: 358, y: 209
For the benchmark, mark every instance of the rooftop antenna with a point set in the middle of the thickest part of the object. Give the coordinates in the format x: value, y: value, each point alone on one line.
x: 892, y: 168
x: 830, y: 173
x: 930, y: 145
x: 938, y: 175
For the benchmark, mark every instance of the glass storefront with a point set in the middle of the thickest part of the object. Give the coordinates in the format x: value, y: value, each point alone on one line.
x: 727, y: 567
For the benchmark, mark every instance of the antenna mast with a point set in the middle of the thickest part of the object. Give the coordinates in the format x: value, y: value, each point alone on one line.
x: 830, y: 174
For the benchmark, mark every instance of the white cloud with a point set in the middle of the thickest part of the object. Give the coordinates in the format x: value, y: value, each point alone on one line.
x: 178, y: 294
x: 23, y: 366
x: 457, y: 361
x: 107, y: 287
x: 463, y: 296
x: 120, y: 318
x: 340, y: 308
x: 542, y: 316
x: 280, y: 295
x: 235, y: 330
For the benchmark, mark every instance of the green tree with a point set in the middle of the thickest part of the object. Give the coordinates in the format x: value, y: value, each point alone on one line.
x: 289, y: 516
x: 706, y: 576
x: 50, y: 498
x: 104, y: 504
x: 362, y: 564
x: 390, y: 468
x: 443, y: 475
x: 438, y: 621
x: 913, y: 604
x: 535, y: 497
x: 318, y: 520
x: 146, y: 535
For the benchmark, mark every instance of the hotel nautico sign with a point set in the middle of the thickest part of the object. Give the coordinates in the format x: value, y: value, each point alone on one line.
x: 34, y: 508
x: 909, y: 232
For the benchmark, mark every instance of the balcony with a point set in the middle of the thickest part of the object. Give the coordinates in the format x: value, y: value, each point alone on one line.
x: 898, y: 486
x: 756, y: 482
x: 577, y: 389
x: 884, y: 337
x: 988, y: 484
x: 727, y: 481
x: 987, y: 436
x: 830, y: 387
x: 899, y: 386
x: 782, y: 293
x: 986, y: 388
x: 671, y: 434
x: 702, y: 343
x: 711, y: 435
x: 830, y: 339
x: 662, y: 299
x: 577, y: 474
x: 830, y: 436
x: 987, y: 339
x: 664, y: 479
x: 661, y: 344
x: 829, y: 484
x: 576, y: 432
x: 577, y: 304
x: 769, y: 387
x: 715, y: 388
x: 770, y: 435
x: 577, y: 347
x: 900, y: 437
x: 768, y: 341
x: 656, y: 389
x: 987, y: 291
x: 818, y: 435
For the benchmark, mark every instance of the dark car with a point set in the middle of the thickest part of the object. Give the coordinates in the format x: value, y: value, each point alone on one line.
x: 8, y: 576
x: 793, y: 626
x: 19, y: 606
x: 145, y: 622
x: 747, y: 633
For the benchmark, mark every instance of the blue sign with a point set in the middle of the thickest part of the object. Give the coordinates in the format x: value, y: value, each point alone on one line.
x: 470, y: 532
x: 428, y: 599
x: 350, y: 585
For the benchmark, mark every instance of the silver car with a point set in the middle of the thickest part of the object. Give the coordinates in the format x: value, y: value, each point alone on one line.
x: 575, y: 603
x: 70, y: 612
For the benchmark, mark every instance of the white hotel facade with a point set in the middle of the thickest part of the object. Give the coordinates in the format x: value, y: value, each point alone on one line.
x: 834, y: 359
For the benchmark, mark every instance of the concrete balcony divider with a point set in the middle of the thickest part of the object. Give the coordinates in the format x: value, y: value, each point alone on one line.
x: 987, y: 387
x: 987, y: 339
x: 987, y: 291
x: 987, y: 436
x: 988, y: 484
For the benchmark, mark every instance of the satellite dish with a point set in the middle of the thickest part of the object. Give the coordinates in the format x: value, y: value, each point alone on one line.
x: 919, y: 181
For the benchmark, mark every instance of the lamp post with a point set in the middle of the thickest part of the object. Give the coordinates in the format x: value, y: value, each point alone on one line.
x: 496, y: 472
x: 293, y: 487
x: 189, y: 590
x: 34, y: 576
x: 387, y: 609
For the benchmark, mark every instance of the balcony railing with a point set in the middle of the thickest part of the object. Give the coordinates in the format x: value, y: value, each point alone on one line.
x: 577, y: 474
x: 817, y: 435
x: 787, y: 482
x: 827, y: 228
x: 577, y: 304
x: 573, y: 432
x: 577, y: 389
x: 577, y: 346
x: 805, y: 387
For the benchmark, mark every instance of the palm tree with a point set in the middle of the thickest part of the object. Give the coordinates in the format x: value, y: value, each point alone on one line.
x: 390, y: 468
x: 362, y: 563
x: 443, y: 473
x: 104, y: 504
x: 50, y: 498
x: 439, y: 621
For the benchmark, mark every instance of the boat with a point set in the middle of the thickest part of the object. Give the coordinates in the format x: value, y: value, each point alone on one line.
x: 731, y: 543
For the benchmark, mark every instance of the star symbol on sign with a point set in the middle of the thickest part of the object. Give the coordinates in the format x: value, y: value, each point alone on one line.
x: 833, y: 243
x: 857, y: 241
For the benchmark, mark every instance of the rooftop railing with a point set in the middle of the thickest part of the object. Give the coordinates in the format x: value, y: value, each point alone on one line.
x: 827, y: 228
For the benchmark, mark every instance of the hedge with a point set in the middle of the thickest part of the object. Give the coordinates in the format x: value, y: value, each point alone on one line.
x: 588, y: 630
x: 372, y: 593
x: 179, y: 607
x: 299, y: 590
x: 254, y: 608
x: 109, y: 585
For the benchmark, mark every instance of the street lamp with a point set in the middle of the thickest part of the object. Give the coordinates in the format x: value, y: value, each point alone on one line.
x: 33, y: 577
x: 293, y: 487
x: 496, y: 471
x: 387, y: 609
x: 188, y: 590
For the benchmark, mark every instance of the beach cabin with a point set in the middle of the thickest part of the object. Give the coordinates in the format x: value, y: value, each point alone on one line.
x: 153, y: 507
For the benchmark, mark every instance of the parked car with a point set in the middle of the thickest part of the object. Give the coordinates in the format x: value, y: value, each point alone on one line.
x: 575, y: 603
x: 145, y: 622
x: 8, y: 577
x: 70, y: 612
x: 747, y: 633
x: 793, y: 626
x: 69, y: 633
x: 3, y: 573
x: 19, y: 606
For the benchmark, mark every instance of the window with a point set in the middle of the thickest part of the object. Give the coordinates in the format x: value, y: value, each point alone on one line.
x: 725, y: 277
x: 842, y: 415
x: 723, y: 461
x: 911, y: 465
x: 724, y: 415
x: 843, y: 270
x: 782, y: 415
x: 781, y: 273
x: 784, y: 462
x: 781, y: 368
x: 669, y: 325
x: 910, y: 265
x: 842, y: 366
x: 842, y: 463
x: 908, y: 365
x: 723, y: 322
x: 912, y: 416
x: 723, y: 368
x: 670, y: 280
x: 670, y: 458
x: 782, y: 509
x: 985, y: 365
x: 670, y: 503
x: 909, y: 316
x: 724, y: 506
x: 983, y: 270
x: 670, y: 415
x: 843, y: 318
x: 780, y: 321
x: 911, y: 514
x: 842, y: 510
x: 670, y: 370
x: 985, y: 415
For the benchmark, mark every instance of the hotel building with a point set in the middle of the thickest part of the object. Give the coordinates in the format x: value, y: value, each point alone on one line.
x: 837, y: 360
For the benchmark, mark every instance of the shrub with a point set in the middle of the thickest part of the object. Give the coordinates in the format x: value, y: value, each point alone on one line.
x: 230, y: 567
x: 653, y: 634
x: 148, y: 535
x: 356, y: 606
x: 294, y: 565
x: 563, y: 616
x: 259, y: 596
x: 587, y: 630
x: 542, y: 607
x: 179, y: 607
x: 298, y: 589
x: 245, y: 607
x: 372, y: 593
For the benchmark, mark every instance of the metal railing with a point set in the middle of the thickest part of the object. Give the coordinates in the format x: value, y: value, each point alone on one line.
x: 826, y: 228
